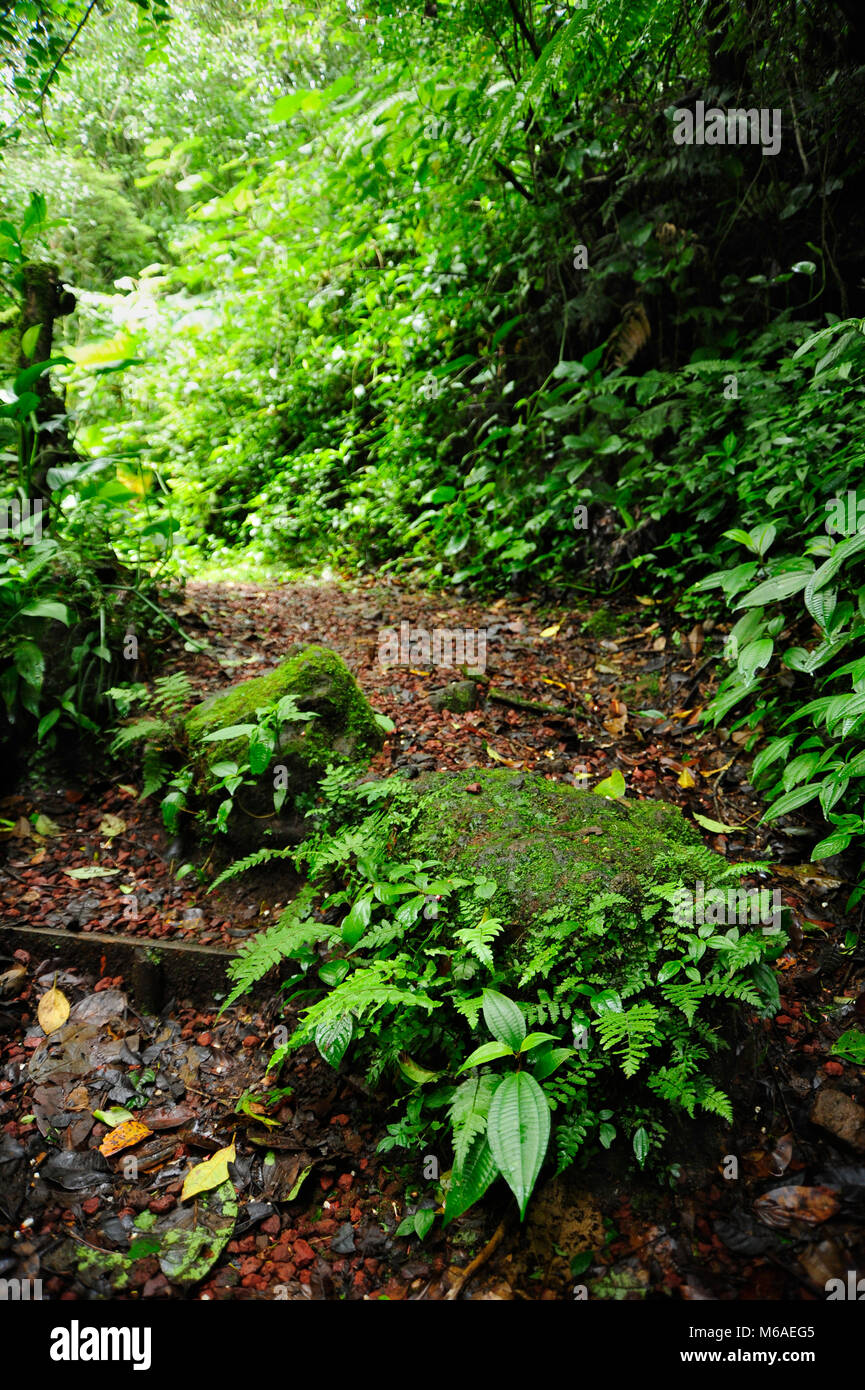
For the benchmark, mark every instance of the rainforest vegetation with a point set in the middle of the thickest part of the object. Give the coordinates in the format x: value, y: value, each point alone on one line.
x: 547, y: 307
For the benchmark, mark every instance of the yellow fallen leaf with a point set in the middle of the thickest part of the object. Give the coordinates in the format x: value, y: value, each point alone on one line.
x: 111, y: 825
x: 53, y: 1009
x: 497, y: 757
x: 546, y: 680
x: 716, y: 771
x: 130, y: 1132
x: 551, y: 631
x: 646, y: 602
x: 687, y: 778
x: 213, y: 1172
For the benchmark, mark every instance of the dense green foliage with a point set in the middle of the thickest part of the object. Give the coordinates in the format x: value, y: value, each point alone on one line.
x: 435, y: 289
x: 423, y: 952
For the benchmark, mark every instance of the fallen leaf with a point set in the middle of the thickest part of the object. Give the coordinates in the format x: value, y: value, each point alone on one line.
x: 659, y: 644
x: 92, y: 871
x: 474, y: 788
x: 117, y: 1115
x: 716, y: 771
x: 687, y: 778
x: 612, y: 787
x: 12, y: 980
x: 551, y: 631
x: 781, y: 1155
x: 695, y: 639
x: 714, y: 825
x: 784, y: 1206
x: 110, y: 826
x: 44, y: 825
x: 616, y: 727
x: 213, y: 1172
x: 126, y: 1134
x: 497, y: 757
x: 53, y: 1010
x: 546, y: 680
x: 299, y: 1183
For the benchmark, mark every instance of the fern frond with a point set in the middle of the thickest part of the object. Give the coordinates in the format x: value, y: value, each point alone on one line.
x: 629, y: 1034
x: 140, y: 729
x: 468, y: 1111
x: 252, y: 861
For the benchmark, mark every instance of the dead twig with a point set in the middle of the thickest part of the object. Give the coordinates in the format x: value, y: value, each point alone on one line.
x: 481, y: 1259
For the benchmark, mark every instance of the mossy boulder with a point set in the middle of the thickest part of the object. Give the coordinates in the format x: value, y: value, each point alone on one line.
x: 554, y: 852
x: 344, y: 732
x: 547, y: 843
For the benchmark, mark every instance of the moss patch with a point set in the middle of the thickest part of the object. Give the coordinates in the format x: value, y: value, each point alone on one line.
x: 547, y: 844
x: 344, y: 732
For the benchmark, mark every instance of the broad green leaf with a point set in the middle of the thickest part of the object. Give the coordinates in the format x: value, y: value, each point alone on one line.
x: 415, y: 1072
x: 755, y: 656
x: 233, y: 731
x: 487, y: 1052
x: 47, y: 608
x: 518, y: 1130
x: 470, y: 1181
x: 800, y: 796
x: 332, y: 1039
x: 535, y: 1040
x: 547, y: 1060
x: 29, y: 662
x: 504, y: 1019
x: 641, y: 1145
x: 779, y: 587
x: 357, y: 920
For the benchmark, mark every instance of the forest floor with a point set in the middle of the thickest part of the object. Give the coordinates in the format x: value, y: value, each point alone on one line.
x: 318, y: 1202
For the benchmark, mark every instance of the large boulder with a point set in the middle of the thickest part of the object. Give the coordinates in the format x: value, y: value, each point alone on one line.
x: 345, y: 733
x: 550, y: 846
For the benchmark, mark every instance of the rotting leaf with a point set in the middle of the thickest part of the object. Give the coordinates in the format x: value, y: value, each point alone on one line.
x: 111, y: 825
x: 192, y: 1238
x: 123, y: 1137
x: 785, y: 1206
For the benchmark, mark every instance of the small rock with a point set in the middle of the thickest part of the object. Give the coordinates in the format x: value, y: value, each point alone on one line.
x: 303, y: 1254
x: 836, y: 1112
x: 343, y: 1242
x: 458, y: 697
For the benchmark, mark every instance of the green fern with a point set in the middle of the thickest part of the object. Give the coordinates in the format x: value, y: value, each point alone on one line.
x: 294, y: 929
x: 172, y: 693
x: 477, y: 939
x: 629, y: 1035
x: 145, y: 728
x: 468, y: 1111
x: 252, y: 861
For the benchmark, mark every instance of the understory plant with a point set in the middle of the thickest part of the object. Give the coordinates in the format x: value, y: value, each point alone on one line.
x: 797, y: 652
x: 604, y: 1020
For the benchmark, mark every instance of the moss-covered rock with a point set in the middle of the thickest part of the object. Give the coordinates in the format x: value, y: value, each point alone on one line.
x: 545, y: 842
x: 553, y: 851
x: 458, y: 697
x: 344, y: 732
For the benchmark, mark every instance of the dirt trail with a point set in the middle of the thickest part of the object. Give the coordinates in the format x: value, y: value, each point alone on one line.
x: 634, y: 687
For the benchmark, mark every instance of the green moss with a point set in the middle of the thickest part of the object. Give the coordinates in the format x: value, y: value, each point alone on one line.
x: 343, y: 732
x: 552, y: 849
